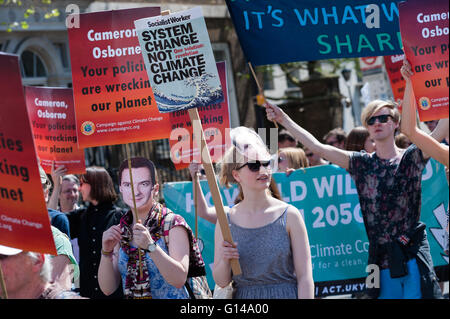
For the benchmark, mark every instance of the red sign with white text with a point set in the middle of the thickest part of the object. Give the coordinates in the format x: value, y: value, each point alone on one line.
x: 52, y: 118
x: 114, y: 103
x: 424, y: 27
x: 24, y: 219
x: 393, y: 64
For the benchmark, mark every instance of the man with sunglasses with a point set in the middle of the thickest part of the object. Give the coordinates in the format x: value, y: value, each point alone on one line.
x: 336, y: 137
x: 388, y: 182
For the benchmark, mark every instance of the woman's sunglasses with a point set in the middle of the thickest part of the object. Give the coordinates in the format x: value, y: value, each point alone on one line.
x: 255, y: 166
x: 381, y: 118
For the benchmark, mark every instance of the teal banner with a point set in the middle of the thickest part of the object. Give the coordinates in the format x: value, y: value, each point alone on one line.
x: 326, y: 197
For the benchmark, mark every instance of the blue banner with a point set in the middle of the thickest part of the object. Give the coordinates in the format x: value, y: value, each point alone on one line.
x: 328, y: 201
x: 281, y: 31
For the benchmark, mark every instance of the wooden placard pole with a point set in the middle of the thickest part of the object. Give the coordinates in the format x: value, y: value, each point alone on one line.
x: 195, y: 181
x: 260, y: 90
x: 136, y: 216
x: 212, y: 182
x: 2, y: 283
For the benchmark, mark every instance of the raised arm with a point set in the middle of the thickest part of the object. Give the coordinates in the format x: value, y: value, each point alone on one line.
x: 331, y: 153
x: 427, y: 143
x: 108, y: 272
x: 441, y: 130
x: 203, y: 210
x: 57, y: 174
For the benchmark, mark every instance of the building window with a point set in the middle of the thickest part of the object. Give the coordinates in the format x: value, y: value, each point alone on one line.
x: 62, y: 49
x: 32, y: 65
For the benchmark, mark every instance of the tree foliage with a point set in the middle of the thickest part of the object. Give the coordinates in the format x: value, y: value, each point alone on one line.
x: 29, y: 10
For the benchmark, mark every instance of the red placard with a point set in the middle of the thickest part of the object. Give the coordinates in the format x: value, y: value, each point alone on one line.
x: 114, y: 103
x: 215, y: 122
x: 24, y: 219
x: 52, y: 118
x: 393, y: 64
x: 424, y: 27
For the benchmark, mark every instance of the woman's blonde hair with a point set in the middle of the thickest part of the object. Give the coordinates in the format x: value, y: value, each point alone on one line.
x: 377, y: 105
x: 231, y: 161
x: 296, y: 157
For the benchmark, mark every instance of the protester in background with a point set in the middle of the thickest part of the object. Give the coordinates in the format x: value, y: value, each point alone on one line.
x: 314, y: 159
x: 285, y: 139
x: 88, y: 224
x: 65, y: 197
x: 66, y: 190
x: 65, y: 270
x: 336, y: 137
x: 65, y: 266
x: 28, y: 275
x: 359, y: 139
x: 291, y: 159
x: 165, y: 265
x: 270, y: 236
x: 402, y: 141
x: 429, y: 145
x: 389, y: 189
x: 431, y: 124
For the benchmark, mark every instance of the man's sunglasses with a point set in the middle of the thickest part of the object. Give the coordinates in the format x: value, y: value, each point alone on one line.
x: 381, y: 119
x: 255, y: 166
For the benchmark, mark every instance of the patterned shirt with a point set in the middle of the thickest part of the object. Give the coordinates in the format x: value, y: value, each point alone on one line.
x: 152, y: 284
x: 55, y: 292
x: 389, y: 193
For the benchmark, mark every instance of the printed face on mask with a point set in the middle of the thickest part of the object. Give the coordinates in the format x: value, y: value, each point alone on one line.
x: 142, y: 187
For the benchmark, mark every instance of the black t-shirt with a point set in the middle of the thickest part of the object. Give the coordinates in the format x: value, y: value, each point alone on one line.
x: 88, y: 225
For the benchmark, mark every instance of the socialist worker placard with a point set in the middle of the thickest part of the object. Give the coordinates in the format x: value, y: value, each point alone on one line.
x: 179, y: 59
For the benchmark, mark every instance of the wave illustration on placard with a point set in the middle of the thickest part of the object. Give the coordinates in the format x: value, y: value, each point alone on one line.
x: 204, y: 96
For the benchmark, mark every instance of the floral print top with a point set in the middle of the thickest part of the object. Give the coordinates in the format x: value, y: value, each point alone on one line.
x: 155, y: 286
x: 151, y: 283
x: 389, y: 193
